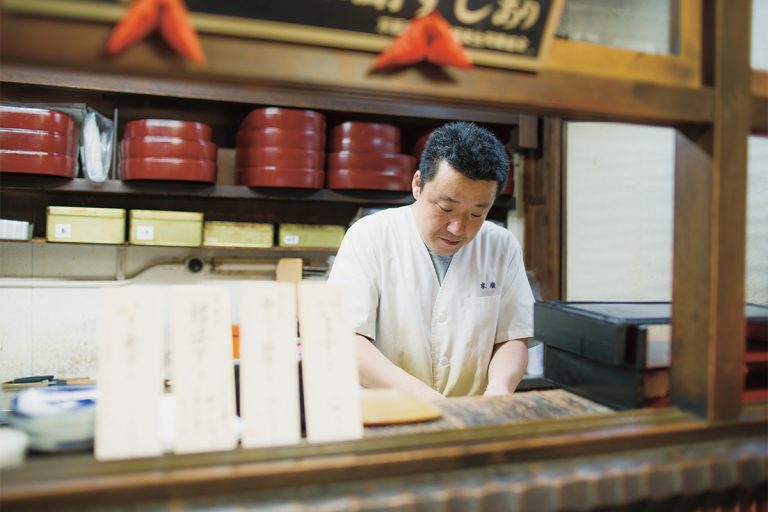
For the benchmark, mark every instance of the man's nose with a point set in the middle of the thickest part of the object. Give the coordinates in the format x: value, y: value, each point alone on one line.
x: 456, y: 227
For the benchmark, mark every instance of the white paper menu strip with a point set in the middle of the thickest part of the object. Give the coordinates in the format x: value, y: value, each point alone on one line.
x: 329, y: 364
x: 269, y: 365
x: 130, y: 373
x: 202, y: 369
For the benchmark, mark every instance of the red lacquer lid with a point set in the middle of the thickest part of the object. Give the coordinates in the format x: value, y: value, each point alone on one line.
x: 286, y: 118
x: 282, y: 138
x: 34, y: 162
x: 288, y: 178
x: 167, y: 128
x: 365, y: 145
x: 383, y: 162
x: 367, y: 131
x: 339, y: 179
x: 37, y: 119
x: 168, y: 147
x: 168, y: 169
x: 18, y: 139
x: 279, y: 157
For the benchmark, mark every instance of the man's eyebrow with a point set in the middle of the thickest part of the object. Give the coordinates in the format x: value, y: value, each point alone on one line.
x: 449, y: 199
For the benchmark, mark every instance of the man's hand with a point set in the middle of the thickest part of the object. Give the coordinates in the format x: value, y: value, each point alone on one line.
x: 376, y: 371
x: 507, y: 367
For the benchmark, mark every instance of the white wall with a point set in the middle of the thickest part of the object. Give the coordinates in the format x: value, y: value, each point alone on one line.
x: 619, y: 196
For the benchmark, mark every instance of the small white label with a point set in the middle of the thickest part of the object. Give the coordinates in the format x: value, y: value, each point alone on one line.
x: 63, y: 230
x: 145, y: 232
x: 291, y: 239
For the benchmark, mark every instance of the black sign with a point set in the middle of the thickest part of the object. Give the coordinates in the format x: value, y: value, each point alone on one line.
x: 507, y: 33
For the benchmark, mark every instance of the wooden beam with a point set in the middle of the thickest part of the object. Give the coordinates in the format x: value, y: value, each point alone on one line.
x: 710, y: 231
x: 265, y: 72
x: 542, y: 197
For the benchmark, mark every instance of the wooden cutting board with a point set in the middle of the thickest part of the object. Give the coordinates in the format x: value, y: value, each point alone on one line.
x: 394, y: 407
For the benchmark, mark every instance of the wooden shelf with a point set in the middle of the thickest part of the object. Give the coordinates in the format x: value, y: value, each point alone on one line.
x: 26, y: 198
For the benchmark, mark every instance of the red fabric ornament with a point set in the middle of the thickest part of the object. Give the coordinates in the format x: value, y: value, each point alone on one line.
x: 145, y: 16
x: 427, y: 37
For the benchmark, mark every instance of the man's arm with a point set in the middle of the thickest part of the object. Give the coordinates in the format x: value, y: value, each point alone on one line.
x: 508, y: 364
x: 376, y: 371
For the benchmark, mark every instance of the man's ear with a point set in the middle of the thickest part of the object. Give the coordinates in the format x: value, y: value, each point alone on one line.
x: 416, y: 185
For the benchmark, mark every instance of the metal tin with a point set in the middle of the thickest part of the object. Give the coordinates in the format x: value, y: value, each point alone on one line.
x: 365, y: 145
x: 167, y: 228
x: 238, y: 234
x: 85, y: 225
x: 279, y: 157
x: 321, y: 236
x: 381, y: 162
x: 353, y: 129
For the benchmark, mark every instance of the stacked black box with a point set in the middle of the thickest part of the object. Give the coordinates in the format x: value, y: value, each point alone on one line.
x: 617, y: 353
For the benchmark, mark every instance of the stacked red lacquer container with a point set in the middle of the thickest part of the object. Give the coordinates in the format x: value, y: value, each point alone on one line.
x: 280, y: 147
x: 366, y: 156
x: 37, y: 141
x: 166, y: 149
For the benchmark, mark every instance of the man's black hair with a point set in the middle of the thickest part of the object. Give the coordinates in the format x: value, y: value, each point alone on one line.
x: 472, y: 150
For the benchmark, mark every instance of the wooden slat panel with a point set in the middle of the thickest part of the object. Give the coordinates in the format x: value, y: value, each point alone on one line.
x: 710, y: 233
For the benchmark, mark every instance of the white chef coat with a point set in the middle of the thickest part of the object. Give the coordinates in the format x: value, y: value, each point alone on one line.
x: 443, y: 335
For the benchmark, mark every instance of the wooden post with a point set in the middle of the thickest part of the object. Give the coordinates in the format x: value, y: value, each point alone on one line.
x: 710, y: 230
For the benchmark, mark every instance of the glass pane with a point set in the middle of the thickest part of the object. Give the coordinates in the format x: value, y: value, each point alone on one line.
x: 646, y: 26
x: 759, y: 35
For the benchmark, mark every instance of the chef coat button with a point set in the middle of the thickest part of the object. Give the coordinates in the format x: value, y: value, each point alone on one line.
x: 443, y: 317
x: 444, y: 361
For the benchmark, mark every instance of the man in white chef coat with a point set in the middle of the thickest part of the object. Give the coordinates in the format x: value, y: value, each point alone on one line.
x: 440, y: 299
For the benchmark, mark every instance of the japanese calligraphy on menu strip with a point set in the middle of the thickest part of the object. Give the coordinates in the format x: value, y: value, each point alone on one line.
x: 501, y: 33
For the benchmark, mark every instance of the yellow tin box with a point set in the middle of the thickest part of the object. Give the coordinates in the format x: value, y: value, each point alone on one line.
x: 238, y: 234
x: 158, y: 227
x: 310, y: 235
x: 85, y: 225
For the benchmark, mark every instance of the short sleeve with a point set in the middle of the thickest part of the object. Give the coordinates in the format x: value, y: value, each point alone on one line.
x: 516, y: 312
x: 356, y: 267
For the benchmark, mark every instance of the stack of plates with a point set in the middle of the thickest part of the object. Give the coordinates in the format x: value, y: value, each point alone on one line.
x: 37, y: 141
x: 56, y: 418
x: 365, y: 156
x: 164, y: 149
x: 279, y: 147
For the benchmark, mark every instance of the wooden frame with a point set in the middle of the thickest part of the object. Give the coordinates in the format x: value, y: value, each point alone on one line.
x: 713, y: 100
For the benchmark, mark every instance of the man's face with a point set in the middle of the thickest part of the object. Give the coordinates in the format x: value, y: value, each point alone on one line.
x: 451, y: 208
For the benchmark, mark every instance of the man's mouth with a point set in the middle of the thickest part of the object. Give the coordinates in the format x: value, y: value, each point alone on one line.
x: 450, y: 242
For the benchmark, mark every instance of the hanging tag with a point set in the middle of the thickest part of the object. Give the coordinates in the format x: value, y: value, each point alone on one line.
x: 202, y: 369
x: 130, y: 374
x: 329, y: 364
x: 269, y: 375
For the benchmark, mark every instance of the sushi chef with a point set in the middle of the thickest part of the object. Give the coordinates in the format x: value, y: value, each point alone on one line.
x: 440, y: 300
